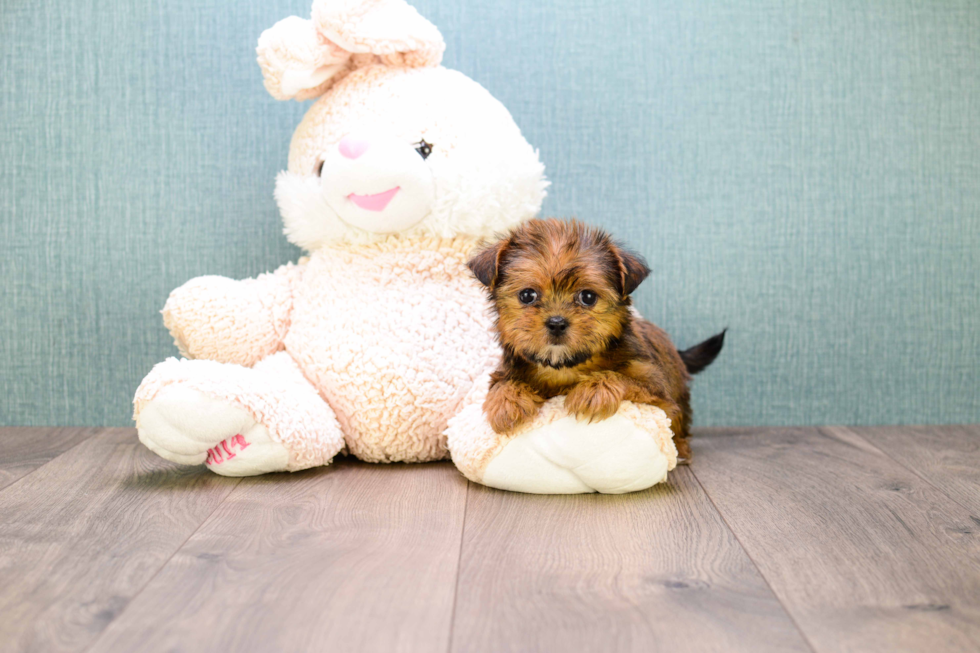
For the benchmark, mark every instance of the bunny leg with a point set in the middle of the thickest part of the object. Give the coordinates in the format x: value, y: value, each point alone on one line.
x: 238, y: 421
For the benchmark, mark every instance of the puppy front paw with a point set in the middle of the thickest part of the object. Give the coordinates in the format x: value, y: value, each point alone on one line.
x: 595, y: 399
x: 509, y: 404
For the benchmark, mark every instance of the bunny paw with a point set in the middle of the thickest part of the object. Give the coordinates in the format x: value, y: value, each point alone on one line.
x: 186, y: 426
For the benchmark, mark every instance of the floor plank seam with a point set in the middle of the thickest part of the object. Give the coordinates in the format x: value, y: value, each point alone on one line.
x: 459, y: 562
x: 166, y: 562
x: 731, y: 530
x: 903, y: 466
x: 72, y: 447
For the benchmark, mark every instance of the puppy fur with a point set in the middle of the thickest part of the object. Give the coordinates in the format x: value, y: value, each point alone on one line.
x: 561, y: 294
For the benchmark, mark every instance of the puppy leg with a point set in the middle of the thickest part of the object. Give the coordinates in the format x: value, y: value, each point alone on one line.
x: 509, y: 404
x: 641, y: 395
x: 683, y: 450
x: 597, y: 397
x: 648, y: 384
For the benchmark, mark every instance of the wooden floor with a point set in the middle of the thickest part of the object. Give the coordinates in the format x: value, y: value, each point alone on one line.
x: 805, y: 539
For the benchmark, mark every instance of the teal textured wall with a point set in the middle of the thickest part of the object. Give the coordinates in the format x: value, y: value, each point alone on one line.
x: 807, y: 174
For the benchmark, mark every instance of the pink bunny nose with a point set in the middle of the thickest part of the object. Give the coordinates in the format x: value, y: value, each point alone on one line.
x: 352, y: 147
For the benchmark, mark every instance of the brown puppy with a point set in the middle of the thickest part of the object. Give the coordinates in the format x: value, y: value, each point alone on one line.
x: 561, y: 292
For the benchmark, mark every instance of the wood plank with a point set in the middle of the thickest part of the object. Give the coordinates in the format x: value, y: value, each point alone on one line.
x: 948, y: 457
x: 652, y: 571
x: 83, y: 534
x: 25, y: 448
x: 353, y: 557
x: 864, y: 554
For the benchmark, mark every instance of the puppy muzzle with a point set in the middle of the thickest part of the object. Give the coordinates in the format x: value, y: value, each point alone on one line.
x: 557, y: 326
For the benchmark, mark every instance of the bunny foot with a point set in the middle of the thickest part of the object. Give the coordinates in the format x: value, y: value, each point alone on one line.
x: 557, y: 454
x: 238, y: 421
x: 185, y: 426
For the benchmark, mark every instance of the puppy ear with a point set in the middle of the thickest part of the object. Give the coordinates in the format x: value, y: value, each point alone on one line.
x: 486, y: 265
x: 632, y: 270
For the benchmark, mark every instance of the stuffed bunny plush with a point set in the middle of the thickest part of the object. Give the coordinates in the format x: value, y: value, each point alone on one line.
x: 378, y: 343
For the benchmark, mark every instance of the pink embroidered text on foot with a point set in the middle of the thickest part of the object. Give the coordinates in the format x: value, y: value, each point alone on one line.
x: 215, y: 454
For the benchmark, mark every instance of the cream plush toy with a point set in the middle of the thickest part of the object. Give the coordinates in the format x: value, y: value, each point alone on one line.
x: 379, y: 343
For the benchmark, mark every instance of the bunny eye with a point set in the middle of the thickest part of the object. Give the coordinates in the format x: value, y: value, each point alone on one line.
x: 318, y: 169
x: 424, y: 149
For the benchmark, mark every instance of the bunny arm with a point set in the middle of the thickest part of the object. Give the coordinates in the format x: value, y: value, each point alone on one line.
x: 220, y: 319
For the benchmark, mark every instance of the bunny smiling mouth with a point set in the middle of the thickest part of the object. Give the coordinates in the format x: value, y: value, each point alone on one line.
x: 376, y: 202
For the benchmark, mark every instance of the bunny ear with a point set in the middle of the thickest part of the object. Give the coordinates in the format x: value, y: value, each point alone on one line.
x: 297, y: 63
x: 391, y: 29
x: 301, y: 59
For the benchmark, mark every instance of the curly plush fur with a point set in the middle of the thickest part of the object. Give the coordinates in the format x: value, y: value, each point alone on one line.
x: 380, y: 342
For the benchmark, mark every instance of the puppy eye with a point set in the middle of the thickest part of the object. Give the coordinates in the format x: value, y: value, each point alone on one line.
x: 424, y: 149
x: 318, y: 169
x: 527, y: 296
x: 587, y: 298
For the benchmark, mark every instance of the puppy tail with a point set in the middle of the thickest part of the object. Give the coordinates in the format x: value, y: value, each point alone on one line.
x: 702, y: 355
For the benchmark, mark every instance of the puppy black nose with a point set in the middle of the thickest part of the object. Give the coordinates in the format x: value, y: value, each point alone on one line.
x: 556, y: 324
